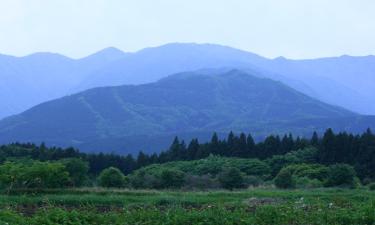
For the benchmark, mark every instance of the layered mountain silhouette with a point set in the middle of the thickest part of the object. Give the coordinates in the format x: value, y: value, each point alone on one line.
x: 26, y: 81
x: 344, y: 81
x: 191, y: 104
x: 30, y: 80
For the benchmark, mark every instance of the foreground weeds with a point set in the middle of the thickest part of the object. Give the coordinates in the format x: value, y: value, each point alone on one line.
x: 261, y: 207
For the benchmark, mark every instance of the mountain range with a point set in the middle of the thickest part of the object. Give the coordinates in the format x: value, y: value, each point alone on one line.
x: 146, y: 117
x: 344, y: 81
x: 30, y: 80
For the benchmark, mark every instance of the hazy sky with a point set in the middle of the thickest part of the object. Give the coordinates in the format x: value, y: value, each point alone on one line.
x: 292, y: 28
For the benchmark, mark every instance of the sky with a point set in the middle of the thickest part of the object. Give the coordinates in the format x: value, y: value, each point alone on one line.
x: 290, y: 28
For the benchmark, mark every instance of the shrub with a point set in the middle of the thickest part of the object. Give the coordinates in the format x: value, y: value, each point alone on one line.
x: 305, y: 182
x: 171, y: 178
x: 371, y: 186
x: 253, y: 181
x: 201, y: 182
x: 33, y: 175
x: 77, y: 169
x: 144, y: 179
x: 231, y: 178
x: 284, y: 179
x: 341, y: 175
x: 311, y: 171
x: 277, y: 162
x: 253, y: 167
x: 111, y: 177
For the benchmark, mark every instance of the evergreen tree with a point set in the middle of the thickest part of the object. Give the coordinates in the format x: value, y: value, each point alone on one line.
x: 193, y: 149
x: 230, y: 144
x: 328, y: 151
x: 142, y: 159
x: 214, y: 145
x: 240, y: 148
x: 251, y: 151
x: 314, y: 140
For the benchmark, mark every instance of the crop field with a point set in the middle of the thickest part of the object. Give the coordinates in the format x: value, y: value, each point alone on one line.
x: 252, y: 206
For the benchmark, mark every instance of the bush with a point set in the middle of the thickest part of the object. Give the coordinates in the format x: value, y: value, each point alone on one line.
x: 77, y: 169
x: 277, y: 162
x: 284, y: 179
x: 311, y: 171
x: 305, y: 182
x: 140, y: 179
x: 252, y: 167
x: 111, y: 177
x: 171, y: 178
x: 35, y: 174
x: 253, y: 181
x: 341, y: 175
x: 371, y: 186
x: 201, y: 182
x: 231, y: 178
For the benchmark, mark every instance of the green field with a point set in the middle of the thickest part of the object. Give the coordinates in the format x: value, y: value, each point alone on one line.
x: 252, y: 206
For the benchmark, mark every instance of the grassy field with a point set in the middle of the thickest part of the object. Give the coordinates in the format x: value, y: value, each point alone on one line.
x: 253, y: 206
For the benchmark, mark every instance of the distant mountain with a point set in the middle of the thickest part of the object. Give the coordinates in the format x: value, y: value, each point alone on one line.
x: 152, y: 64
x: 344, y: 81
x: 26, y: 81
x: 30, y: 80
x: 133, y: 117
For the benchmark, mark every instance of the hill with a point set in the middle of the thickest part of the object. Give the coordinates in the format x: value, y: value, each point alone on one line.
x: 188, y: 104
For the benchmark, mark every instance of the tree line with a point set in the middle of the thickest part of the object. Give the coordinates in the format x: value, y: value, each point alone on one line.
x: 357, y: 150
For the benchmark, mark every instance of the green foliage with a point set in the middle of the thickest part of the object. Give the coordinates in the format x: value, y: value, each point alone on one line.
x: 171, y: 178
x: 284, y: 179
x: 151, y: 176
x: 304, y: 182
x: 231, y: 178
x: 111, y: 177
x: 311, y: 171
x: 129, y: 207
x: 33, y: 175
x: 277, y: 162
x: 341, y: 175
x: 77, y: 169
x: 251, y: 167
x: 371, y: 186
x: 253, y: 181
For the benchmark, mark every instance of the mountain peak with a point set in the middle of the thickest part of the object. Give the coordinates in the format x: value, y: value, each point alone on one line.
x: 193, y: 102
x: 46, y: 55
x: 106, y: 54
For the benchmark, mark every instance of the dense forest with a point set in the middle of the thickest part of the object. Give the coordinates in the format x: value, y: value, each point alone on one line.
x: 356, y: 150
x: 318, y: 158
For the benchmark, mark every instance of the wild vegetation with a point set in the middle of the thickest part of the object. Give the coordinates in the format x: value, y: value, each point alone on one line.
x: 277, y: 181
x: 254, y: 206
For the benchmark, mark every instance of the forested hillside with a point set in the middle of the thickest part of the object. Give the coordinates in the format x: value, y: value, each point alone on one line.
x: 197, y: 103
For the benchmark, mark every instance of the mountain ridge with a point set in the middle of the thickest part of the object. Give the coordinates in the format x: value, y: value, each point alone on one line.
x: 30, y: 80
x: 191, y: 102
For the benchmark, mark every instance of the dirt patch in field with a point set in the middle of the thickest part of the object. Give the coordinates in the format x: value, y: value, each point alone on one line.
x: 255, y: 202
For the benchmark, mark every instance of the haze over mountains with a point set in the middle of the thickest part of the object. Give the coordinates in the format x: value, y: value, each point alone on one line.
x: 33, y: 79
x: 26, y: 81
x: 213, y: 88
x: 191, y: 103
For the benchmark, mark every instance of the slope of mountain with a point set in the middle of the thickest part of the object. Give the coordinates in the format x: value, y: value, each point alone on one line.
x: 30, y: 80
x: 152, y: 64
x: 187, y: 104
x: 346, y: 81
x: 343, y: 81
x: 26, y: 81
